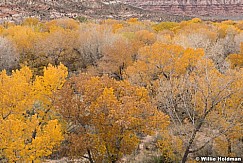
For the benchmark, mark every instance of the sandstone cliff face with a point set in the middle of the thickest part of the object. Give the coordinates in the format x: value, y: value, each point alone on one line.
x: 192, y: 7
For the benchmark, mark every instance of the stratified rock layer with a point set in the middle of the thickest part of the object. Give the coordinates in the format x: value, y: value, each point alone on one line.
x: 17, y: 10
x: 155, y: 10
x: 192, y: 7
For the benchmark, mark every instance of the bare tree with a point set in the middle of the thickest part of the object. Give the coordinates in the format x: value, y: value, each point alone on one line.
x: 194, y: 102
x: 9, y: 58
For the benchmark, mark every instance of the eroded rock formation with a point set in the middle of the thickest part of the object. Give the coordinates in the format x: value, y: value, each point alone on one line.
x: 17, y: 10
x: 156, y: 10
x: 192, y: 7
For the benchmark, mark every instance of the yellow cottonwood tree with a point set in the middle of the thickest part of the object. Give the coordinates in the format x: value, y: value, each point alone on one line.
x: 28, y: 128
x: 161, y: 60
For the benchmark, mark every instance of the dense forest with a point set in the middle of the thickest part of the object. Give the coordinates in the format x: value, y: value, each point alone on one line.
x: 120, y: 91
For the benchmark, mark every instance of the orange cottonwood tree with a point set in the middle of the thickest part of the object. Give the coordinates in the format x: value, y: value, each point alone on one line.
x: 117, y: 55
x: 29, y: 130
x: 106, y: 116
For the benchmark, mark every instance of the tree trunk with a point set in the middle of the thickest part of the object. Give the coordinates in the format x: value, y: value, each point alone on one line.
x: 192, y: 140
x: 229, y: 147
x: 189, y: 147
x: 90, y: 157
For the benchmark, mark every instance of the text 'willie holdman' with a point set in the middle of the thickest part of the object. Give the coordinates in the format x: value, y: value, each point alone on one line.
x: 220, y: 159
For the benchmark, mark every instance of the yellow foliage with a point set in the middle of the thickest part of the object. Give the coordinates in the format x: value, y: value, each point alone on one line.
x: 162, y: 59
x: 224, y: 29
x: 68, y: 24
x: 228, y: 22
x: 239, y: 25
x: 236, y: 60
x: 196, y: 20
x: 116, y: 27
x: 132, y: 20
x: 28, y: 132
x: 30, y: 22
x: 1, y: 29
x: 145, y: 37
x: 24, y: 36
x: 169, y: 145
x: 18, y: 144
x: 165, y: 26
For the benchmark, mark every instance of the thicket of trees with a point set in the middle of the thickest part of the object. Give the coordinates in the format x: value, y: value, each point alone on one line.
x: 96, y: 91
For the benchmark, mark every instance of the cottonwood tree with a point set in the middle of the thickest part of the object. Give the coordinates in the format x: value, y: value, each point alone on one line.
x: 29, y: 129
x: 117, y: 56
x: 165, y: 26
x: 236, y: 60
x: 195, y: 40
x: 224, y: 46
x: 217, y: 39
x: 25, y: 38
x: 161, y: 60
x: 238, y: 39
x: 9, y: 58
x: 140, y: 39
x: 92, y: 40
x: 201, y: 101
x: 106, y: 117
x: 58, y: 46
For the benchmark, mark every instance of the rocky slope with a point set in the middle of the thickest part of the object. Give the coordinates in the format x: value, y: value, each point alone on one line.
x: 198, y: 8
x: 156, y: 10
x: 16, y: 10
